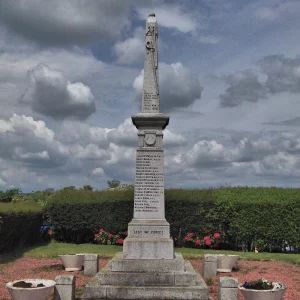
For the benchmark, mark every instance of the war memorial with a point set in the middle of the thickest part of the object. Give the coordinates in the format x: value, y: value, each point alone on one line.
x: 148, y: 268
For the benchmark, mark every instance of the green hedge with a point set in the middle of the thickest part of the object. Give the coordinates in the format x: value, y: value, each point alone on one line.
x: 246, y: 217
x: 19, y: 225
x: 268, y: 218
x: 77, y: 214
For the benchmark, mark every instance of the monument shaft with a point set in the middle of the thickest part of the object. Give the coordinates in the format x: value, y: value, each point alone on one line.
x: 149, y: 228
x: 148, y: 269
x: 150, y: 102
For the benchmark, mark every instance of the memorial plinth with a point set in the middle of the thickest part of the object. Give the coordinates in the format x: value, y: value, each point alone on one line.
x: 148, y: 268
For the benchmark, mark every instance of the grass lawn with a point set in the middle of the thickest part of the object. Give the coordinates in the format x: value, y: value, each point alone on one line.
x: 53, y: 249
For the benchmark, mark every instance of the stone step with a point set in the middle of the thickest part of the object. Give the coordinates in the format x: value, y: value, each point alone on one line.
x: 199, y: 292
x: 118, y: 264
x: 188, y: 277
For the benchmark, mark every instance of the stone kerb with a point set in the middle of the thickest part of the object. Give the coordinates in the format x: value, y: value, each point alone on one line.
x: 209, y: 265
x: 228, y: 288
x: 64, y: 288
x: 91, y: 263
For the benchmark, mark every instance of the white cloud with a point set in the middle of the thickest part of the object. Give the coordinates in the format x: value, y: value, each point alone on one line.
x: 171, y: 16
x: 65, y: 22
x: 131, y: 50
x: 243, y: 87
x: 179, y: 86
x: 51, y: 94
x: 209, y: 39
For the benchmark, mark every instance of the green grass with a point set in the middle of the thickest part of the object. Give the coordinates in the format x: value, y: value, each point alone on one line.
x: 53, y: 249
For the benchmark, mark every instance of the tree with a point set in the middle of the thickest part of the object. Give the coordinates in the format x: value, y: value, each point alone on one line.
x: 113, y: 183
x: 87, y: 188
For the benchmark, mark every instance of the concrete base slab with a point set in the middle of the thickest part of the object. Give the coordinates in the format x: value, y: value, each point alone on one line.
x: 175, y: 279
x: 148, y: 248
x: 119, y: 264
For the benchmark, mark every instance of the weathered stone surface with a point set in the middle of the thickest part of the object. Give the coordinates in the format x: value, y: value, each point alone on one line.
x: 150, y: 102
x: 228, y: 288
x: 148, y: 248
x: 64, y: 288
x: 118, y: 264
x: 91, y: 264
x: 228, y: 282
x: 65, y: 279
x: 209, y: 265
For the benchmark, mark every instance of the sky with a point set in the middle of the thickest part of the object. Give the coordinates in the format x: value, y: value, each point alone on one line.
x: 71, y: 75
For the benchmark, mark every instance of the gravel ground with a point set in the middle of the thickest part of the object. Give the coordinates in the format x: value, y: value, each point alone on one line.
x: 247, y: 270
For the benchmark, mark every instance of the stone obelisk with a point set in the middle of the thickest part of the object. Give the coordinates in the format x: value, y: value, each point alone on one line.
x: 149, y: 232
x: 147, y: 268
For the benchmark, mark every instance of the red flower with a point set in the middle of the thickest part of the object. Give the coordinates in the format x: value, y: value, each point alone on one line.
x: 96, y: 235
x: 217, y: 235
x: 191, y: 234
x: 198, y: 242
x: 120, y: 241
x: 101, y: 230
x: 207, y: 242
x: 206, y: 238
x: 110, y: 236
x: 186, y: 238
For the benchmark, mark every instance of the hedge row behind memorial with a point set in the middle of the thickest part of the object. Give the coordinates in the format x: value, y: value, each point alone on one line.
x: 19, y: 225
x: 245, y: 217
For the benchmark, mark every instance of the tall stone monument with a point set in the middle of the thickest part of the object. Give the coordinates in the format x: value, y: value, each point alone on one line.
x: 148, y: 268
x: 149, y: 232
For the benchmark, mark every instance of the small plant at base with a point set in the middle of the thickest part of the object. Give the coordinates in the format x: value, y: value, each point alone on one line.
x: 208, y: 241
x: 106, y: 238
x: 209, y: 281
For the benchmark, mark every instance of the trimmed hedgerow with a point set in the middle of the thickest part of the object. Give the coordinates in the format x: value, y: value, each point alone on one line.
x: 19, y: 225
x: 267, y: 218
x: 77, y: 214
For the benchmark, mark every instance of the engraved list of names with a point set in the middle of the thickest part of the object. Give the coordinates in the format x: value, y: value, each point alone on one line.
x: 149, y: 185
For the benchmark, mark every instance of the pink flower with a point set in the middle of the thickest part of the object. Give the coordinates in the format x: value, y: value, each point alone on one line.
x: 96, y: 235
x: 206, y: 238
x: 120, y: 241
x: 191, y: 234
x: 110, y: 236
x: 217, y: 235
x: 207, y: 242
x: 186, y: 238
x: 198, y: 242
x: 101, y: 230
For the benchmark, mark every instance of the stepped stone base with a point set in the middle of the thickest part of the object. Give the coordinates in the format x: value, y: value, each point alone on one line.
x: 128, y: 279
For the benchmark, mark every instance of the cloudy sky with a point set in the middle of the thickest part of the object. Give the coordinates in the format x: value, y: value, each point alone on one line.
x: 71, y: 77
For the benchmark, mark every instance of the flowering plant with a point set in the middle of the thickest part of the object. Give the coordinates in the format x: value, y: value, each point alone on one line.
x: 105, y: 238
x: 208, y: 241
x: 262, y: 284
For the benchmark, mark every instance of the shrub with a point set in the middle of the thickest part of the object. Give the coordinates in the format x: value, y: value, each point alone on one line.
x: 78, y: 214
x: 20, y: 225
x: 105, y: 238
x: 245, y: 217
